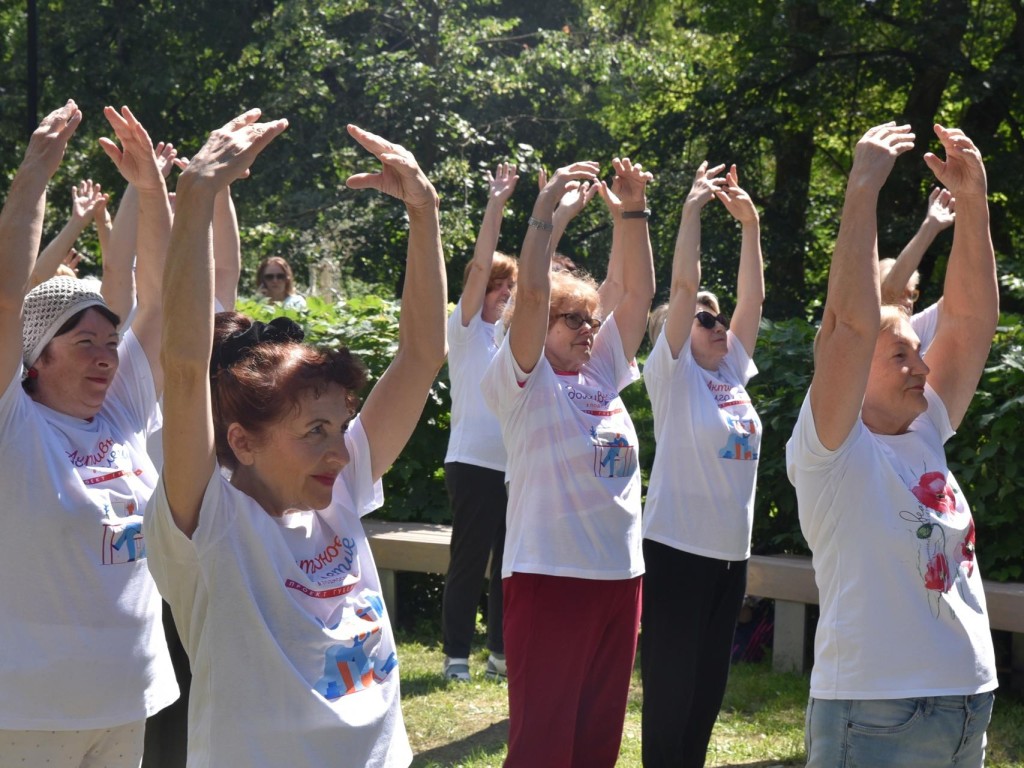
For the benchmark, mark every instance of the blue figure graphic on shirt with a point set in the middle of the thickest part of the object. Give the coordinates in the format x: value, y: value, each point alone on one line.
x: 128, y: 539
x: 738, y: 445
x: 614, y: 455
x: 353, y: 665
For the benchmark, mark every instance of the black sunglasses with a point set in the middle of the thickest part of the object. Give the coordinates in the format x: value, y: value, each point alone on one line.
x: 707, y: 320
x: 274, y: 276
x: 574, y: 321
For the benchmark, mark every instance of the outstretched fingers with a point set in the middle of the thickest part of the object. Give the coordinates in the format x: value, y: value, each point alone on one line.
x: 231, y: 149
x: 400, y: 175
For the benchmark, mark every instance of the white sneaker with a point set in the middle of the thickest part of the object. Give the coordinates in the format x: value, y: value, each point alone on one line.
x: 456, y: 669
x: 496, y: 669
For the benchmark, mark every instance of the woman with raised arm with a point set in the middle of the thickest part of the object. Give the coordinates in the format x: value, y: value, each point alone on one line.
x: 572, y: 562
x: 474, y: 467
x: 903, y: 662
x: 269, y: 574
x: 700, y: 501
x: 83, y: 660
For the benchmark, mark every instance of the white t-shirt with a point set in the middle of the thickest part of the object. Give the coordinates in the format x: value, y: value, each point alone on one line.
x: 701, y: 494
x: 294, y: 301
x: 81, y: 637
x: 902, y: 603
x: 574, y: 493
x: 925, y: 323
x: 475, y: 436
x: 292, y: 654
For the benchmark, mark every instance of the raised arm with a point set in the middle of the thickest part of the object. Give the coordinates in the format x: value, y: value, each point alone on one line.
x: 632, y: 258
x: 941, y: 214
x: 393, y: 407
x: 500, y: 187
x: 529, y: 327
x: 970, y: 295
x: 21, y: 224
x: 572, y: 203
x: 746, y: 320
x: 850, y: 323
x: 686, y: 258
x: 85, y: 197
x: 189, y: 455
x: 118, y: 284
x: 138, y: 164
x: 227, y: 250
x: 227, y: 244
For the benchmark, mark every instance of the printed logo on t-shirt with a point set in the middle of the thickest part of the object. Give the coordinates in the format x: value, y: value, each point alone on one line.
x: 594, y: 403
x: 727, y: 395
x: 742, y: 438
x: 945, y: 540
x: 613, y: 455
x: 356, y: 662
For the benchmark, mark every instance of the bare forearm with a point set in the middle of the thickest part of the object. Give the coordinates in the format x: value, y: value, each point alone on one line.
x: 227, y: 249
x: 853, y: 293
x: 188, y: 283
x: 21, y: 228
x: 475, y: 287
x: 425, y: 294
x: 750, y: 278
x: 971, y: 288
x: 55, y: 251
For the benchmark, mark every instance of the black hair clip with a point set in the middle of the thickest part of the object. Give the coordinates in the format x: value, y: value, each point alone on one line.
x: 238, y: 345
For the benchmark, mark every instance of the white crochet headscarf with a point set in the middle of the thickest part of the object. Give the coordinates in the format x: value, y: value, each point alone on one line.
x: 47, y: 307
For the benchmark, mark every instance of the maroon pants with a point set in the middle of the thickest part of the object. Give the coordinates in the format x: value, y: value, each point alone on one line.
x: 570, y: 645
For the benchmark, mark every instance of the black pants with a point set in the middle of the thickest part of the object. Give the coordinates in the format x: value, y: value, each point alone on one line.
x: 690, y: 607
x: 478, y: 500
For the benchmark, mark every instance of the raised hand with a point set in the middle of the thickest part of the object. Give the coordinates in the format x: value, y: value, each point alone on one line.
x: 48, y: 142
x: 577, y: 195
x: 502, y: 184
x: 166, y: 155
x: 135, y: 158
x: 230, y: 150
x: 629, y: 186
x: 705, y: 183
x: 400, y: 175
x: 555, y: 188
x: 962, y: 172
x: 941, y: 211
x: 85, y: 197
x: 735, y: 199
x: 876, y: 154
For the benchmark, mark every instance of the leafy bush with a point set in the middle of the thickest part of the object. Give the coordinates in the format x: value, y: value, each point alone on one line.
x: 985, y: 455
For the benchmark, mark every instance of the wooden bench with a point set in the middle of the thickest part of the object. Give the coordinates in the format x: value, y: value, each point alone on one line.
x: 787, y: 579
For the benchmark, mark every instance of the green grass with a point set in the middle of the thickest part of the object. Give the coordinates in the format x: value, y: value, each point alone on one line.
x: 761, y: 723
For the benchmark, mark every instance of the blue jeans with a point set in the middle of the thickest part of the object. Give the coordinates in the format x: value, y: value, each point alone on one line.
x: 931, y: 732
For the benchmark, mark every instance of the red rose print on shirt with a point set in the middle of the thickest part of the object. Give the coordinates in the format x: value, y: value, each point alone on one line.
x: 934, y: 492
x: 938, y: 577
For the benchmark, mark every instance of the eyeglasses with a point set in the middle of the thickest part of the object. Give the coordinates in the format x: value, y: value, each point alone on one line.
x: 574, y: 321
x: 912, y: 295
x: 707, y: 320
x: 273, y: 276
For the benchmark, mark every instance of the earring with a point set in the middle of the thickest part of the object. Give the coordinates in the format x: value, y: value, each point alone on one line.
x: 33, y: 373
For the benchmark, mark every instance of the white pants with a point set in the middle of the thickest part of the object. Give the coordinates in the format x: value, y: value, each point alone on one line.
x: 117, y: 747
